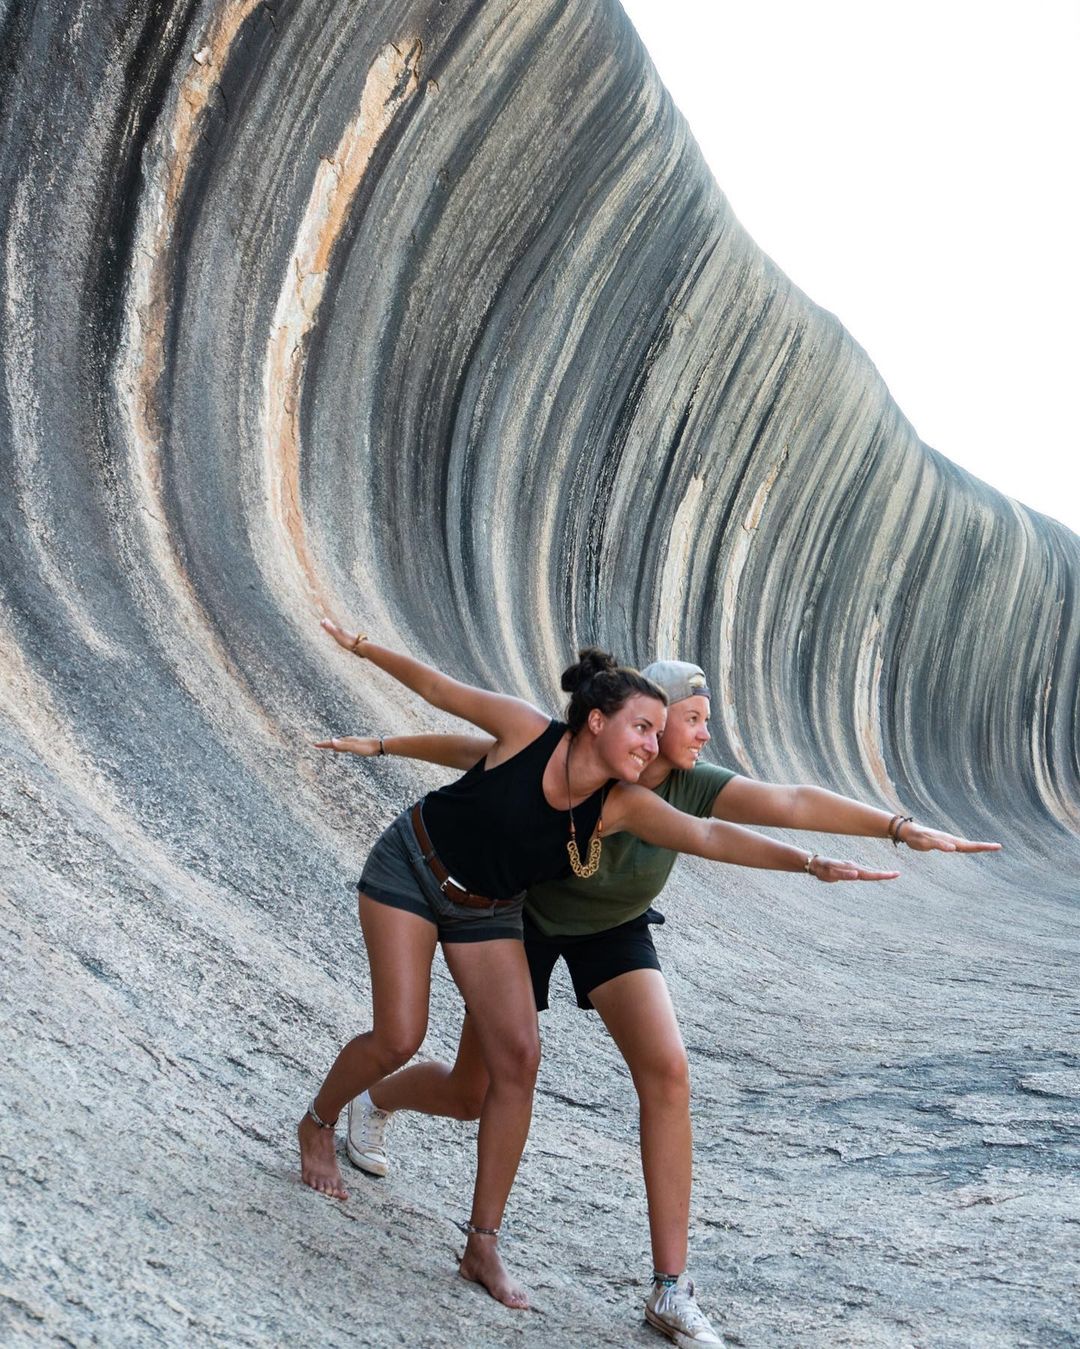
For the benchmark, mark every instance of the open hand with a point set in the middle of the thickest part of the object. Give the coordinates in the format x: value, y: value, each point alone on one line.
x: 367, y: 746
x: 921, y: 838
x: 349, y: 640
x: 826, y: 869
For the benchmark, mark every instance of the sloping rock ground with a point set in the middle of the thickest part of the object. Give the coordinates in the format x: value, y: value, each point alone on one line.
x: 428, y: 315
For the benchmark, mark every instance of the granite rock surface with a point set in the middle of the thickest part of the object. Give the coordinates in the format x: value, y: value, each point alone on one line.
x: 428, y: 315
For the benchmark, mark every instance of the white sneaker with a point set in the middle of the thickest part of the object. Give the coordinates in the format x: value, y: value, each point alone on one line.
x: 673, y: 1310
x: 364, y: 1137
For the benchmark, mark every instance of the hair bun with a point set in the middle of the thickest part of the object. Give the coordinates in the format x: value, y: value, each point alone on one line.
x: 591, y: 661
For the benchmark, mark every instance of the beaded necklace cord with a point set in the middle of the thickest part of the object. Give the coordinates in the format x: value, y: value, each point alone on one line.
x: 591, y: 865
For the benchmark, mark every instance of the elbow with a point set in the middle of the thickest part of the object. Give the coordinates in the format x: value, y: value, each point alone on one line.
x: 713, y: 843
x: 799, y: 802
x: 436, y: 691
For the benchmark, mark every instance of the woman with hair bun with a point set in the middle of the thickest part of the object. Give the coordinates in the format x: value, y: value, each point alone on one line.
x: 454, y: 868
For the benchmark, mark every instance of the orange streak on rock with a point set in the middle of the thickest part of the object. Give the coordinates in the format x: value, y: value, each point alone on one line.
x: 392, y: 79
x: 868, y: 733
x: 152, y: 282
x: 142, y: 362
x: 740, y: 553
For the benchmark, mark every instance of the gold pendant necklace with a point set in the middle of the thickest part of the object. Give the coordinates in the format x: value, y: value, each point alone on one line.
x: 590, y: 867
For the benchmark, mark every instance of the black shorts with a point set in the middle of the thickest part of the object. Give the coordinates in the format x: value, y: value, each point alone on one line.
x: 592, y: 960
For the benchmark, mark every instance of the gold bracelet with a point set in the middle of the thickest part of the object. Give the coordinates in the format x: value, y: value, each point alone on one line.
x: 810, y: 862
x: 355, y: 644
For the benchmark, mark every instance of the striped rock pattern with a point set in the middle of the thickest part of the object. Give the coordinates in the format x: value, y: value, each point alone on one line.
x: 426, y: 314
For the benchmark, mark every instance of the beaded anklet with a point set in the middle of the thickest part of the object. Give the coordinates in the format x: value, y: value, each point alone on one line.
x: 320, y: 1122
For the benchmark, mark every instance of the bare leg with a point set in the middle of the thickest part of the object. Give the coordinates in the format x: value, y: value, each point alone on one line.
x: 494, y: 978
x: 636, y: 1008
x: 436, y: 1089
x: 400, y: 948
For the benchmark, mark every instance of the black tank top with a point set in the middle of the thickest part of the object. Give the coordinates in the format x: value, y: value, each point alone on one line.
x: 494, y: 830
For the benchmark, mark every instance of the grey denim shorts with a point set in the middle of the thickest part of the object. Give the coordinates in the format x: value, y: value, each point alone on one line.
x: 396, y: 874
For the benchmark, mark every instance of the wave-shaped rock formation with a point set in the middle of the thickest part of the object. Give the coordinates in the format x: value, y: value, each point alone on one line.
x: 429, y: 316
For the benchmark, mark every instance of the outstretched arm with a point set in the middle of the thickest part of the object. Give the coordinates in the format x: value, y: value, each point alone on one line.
x: 744, y: 801
x: 512, y: 721
x: 642, y: 813
x: 452, y: 751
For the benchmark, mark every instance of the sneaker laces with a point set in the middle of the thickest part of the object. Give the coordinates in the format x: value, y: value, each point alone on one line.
x: 372, y: 1124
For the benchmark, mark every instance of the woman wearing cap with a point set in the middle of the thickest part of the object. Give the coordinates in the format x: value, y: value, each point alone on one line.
x: 600, y: 927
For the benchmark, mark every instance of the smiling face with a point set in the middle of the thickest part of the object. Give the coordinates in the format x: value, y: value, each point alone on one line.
x: 687, y: 731
x: 627, y: 740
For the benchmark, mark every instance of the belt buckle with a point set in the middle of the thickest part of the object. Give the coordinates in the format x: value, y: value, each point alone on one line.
x: 451, y: 881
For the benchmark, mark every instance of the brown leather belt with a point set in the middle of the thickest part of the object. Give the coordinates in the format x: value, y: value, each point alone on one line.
x: 451, y: 888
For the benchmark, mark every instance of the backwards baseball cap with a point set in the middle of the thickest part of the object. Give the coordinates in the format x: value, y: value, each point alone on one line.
x: 678, y: 678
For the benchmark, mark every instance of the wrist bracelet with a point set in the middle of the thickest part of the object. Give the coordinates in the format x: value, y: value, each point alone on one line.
x: 382, y: 747
x: 354, y: 645
x: 895, y: 825
x: 810, y: 862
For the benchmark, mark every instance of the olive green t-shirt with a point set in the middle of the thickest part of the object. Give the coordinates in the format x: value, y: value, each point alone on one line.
x: 631, y: 874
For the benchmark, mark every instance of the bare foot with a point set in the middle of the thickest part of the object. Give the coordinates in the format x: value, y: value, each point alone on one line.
x: 318, y: 1159
x: 482, y: 1264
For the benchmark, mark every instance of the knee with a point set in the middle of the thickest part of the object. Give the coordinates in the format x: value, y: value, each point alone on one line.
x: 395, y: 1050
x: 518, y: 1063
x: 526, y: 1056
x: 666, y: 1081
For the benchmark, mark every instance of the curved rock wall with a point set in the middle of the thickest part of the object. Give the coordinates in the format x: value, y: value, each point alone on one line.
x: 428, y: 315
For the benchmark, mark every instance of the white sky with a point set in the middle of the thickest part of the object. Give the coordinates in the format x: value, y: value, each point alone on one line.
x: 913, y: 168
